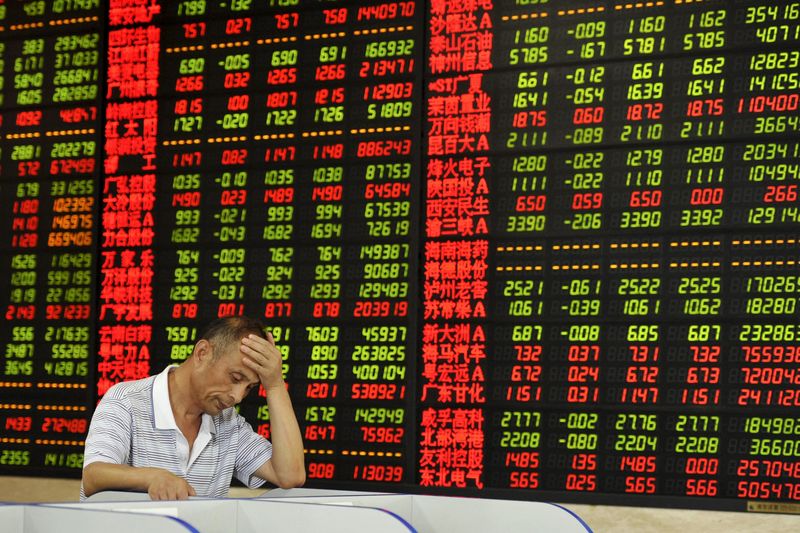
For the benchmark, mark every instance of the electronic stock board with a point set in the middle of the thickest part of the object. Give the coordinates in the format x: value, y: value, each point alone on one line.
x: 520, y: 248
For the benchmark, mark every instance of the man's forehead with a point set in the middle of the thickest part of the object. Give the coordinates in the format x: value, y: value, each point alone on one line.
x: 233, y: 357
x: 225, y: 347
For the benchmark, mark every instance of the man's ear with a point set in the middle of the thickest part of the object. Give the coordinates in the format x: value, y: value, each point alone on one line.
x: 202, y: 351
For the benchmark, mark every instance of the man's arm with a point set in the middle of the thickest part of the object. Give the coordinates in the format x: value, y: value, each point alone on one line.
x: 286, y: 468
x: 159, y: 484
x: 107, y: 450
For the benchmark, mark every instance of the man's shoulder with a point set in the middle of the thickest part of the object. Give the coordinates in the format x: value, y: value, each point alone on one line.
x: 128, y: 389
x: 229, y: 421
x: 229, y: 416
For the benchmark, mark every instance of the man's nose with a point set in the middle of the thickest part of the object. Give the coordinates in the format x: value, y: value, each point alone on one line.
x: 240, y: 391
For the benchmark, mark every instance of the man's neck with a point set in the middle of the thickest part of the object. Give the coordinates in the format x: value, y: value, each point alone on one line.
x: 182, y: 408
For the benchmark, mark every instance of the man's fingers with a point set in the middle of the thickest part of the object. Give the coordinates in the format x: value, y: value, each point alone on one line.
x: 167, y: 486
x: 255, y: 345
x: 254, y: 341
x: 259, y: 349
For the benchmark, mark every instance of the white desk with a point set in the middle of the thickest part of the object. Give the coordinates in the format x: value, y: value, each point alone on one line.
x: 253, y: 516
x: 354, y: 511
x: 33, y: 518
x: 441, y: 514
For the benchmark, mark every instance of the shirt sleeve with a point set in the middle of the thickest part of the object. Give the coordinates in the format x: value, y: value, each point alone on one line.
x: 252, y: 452
x: 109, y: 437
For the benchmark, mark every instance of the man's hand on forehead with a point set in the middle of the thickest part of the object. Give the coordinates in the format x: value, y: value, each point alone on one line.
x: 263, y: 357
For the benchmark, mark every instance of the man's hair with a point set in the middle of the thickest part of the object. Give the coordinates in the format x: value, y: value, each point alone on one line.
x: 222, y: 332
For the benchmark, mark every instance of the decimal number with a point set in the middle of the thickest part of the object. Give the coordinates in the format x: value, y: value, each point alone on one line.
x: 389, y: 48
x: 789, y: 448
x: 776, y: 426
x: 636, y: 421
x: 378, y: 352
x: 523, y: 480
x: 75, y: 42
x: 697, y: 423
x: 386, y: 334
x: 693, y: 444
x: 526, y: 223
x: 771, y: 306
x: 786, y: 60
x: 771, y: 354
x: 321, y: 470
x: 392, y: 474
x: 639, y: 286
x: 15, y: 457
x: 701, y: 217
x: 704, y: 40
x: 391, y: 435
x: 389, y: 91
x: 61, y: 425
x: 768, y: 332
x: 380, y: 415
x: 520, y: 439
x: 587, y: 180
x: 192, y: 8
x: 528, y: 56
x: 376, y: 391
x: 520, y: 419
x: 700, y: 285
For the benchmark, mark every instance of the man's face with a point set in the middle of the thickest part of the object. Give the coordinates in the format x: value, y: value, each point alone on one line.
x: 224, y: 380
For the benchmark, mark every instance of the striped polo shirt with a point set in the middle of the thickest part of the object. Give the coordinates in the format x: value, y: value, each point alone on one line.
x: 132, y: 426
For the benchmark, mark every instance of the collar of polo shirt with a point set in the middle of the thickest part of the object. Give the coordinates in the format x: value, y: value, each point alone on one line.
x: 164, y: 419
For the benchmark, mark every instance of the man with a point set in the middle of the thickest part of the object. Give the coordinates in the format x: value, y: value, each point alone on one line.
x: 177, y: 434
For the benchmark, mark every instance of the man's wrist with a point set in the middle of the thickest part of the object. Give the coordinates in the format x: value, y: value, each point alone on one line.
x: 282, y: 386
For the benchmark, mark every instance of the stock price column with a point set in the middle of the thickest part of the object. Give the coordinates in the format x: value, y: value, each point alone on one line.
x: 673, y: 266
x: 220, y: 203
x: 551, y: 198
x: 291, y: 197
x: 356, y: 364
x: 355, y: 249
x: 50, y: 69
x: 637, y: 112
x: 204, y: 190
x: 764, y: 286
x: 637, y: 293
x: 385, y: 114
x: 327, y: 41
